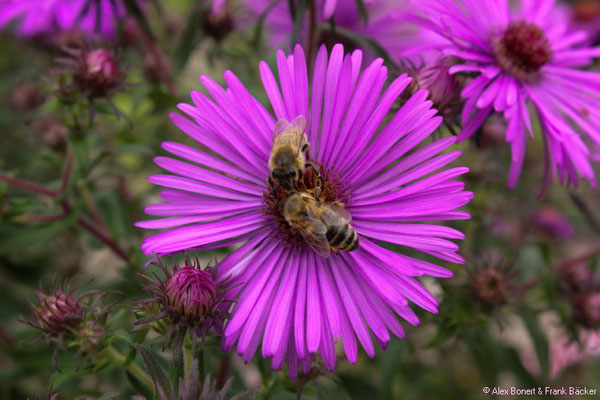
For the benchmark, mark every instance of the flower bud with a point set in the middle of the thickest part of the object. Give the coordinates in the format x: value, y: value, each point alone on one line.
x: 217, y: 25
x: 98, y: 72
x: 493, y: 133
x: 57, y: 313
x: 574, y: 277
x: 187, y: 297
x: 490, y: 286
x: 586, y: 11
x: 586, y: 309
x: 444, y: 88
x: 552, y: 222
x: 191, y: 292
x: 27, y: 97
x: 52, y: 132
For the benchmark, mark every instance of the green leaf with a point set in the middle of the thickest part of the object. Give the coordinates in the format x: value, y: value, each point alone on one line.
x: 158, y: 375
x: 540, y: 341
x: 189, y: 37
x: 298, y: 20
x: 260, y: 22
x: 365, y: 41
x: 362, y: 10
x: 23, y: 238
x: 138, y: 338
x: 139, y: 386
x: 60, y: 378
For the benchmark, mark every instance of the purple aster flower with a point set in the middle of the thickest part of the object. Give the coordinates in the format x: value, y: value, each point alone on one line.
x: 95, y: 18
x: 521, y: 57
x: 384, y: 24
x: 286, y: 296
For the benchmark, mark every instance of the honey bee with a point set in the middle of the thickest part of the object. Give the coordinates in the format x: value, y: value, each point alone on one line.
x: 289, y: 154
x: 323, y: 226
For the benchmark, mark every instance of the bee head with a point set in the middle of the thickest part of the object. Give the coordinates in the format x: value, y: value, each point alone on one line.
x: 286, y: 177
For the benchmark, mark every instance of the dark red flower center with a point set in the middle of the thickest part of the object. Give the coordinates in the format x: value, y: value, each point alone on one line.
x: 522, y: 50
x: 333, y: 190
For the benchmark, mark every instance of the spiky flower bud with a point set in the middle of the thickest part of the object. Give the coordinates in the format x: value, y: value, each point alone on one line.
x: 493, y: 133
x: 574, y: 278
x: 52, y: 132
x: 71, y: 318
x: 27, y: 97
x: 444, y: 88
x: 217, y: 24
x: 57, y: 313
x: 98, y: 72
x: 586, y: 307
x: 491, y: 286
x: 186, y: 297
x: 191, y: 292
x: 586, y: 11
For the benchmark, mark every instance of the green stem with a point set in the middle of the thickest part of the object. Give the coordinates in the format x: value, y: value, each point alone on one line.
x: 188, y: 357
x: 133, y: 368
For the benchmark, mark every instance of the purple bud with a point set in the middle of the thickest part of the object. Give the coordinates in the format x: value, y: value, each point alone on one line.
x: 490, y: 286
x: 191, y: 292
x: 57, y: 313
x: 575, y: 277
x: 587, y: 309
x: 98, y: 72
x: 551, y: 221
x: 444, y: 88
x: 217, y: 23
x: 493, y: 133
x: 586, y: 11
x: 52, y: 132
x: 27, y: 96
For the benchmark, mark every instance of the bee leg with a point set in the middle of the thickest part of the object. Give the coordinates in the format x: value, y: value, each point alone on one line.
x: 307, y: 150
x: 318, y: 193
x: 312, y: 166
x: 271, y: 185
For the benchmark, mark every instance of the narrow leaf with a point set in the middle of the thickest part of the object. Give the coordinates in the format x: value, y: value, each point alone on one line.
x: 158, y: 375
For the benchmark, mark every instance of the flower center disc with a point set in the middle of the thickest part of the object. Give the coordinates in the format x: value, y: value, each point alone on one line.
x: 522, y: 50
x: 332, y: 190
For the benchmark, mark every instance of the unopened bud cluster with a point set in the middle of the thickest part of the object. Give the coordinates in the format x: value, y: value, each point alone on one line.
x: 70, y: 318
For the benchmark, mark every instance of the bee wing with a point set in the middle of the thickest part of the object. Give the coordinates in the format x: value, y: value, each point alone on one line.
x: 298, y: 126
x: 299, y: 123
x: 333, y: 213
x: 282, y: 126
x: 314, y: 235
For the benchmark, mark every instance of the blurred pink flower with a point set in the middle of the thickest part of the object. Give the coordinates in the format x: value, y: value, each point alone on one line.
x: 384, y: 24
x: 96, y: 19
x: 551, y: 221
x: 564, y: 353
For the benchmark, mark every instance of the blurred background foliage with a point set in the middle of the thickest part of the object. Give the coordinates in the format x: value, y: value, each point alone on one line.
x: 503, y: 315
